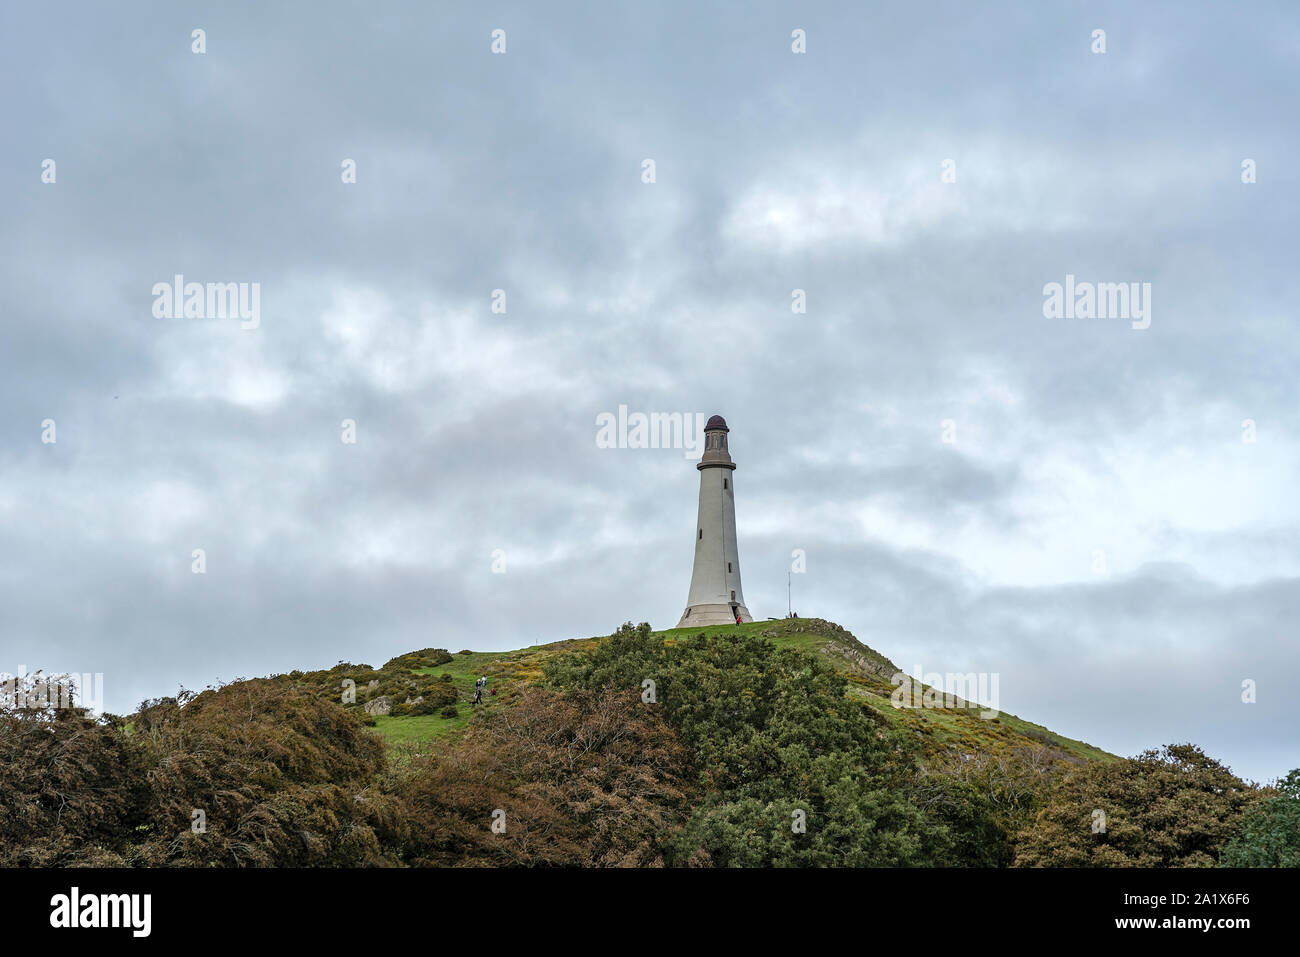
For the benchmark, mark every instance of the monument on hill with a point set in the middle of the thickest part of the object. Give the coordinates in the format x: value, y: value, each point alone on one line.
x: 715, y: 597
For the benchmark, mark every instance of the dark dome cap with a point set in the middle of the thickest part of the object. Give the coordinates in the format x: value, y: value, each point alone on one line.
x: 716, y: 423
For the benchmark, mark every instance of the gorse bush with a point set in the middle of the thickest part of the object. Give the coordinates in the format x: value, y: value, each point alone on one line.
x: 1270, y: 830
x: 281, y: 776
x: 1171, y: 807
x: 255, y: 773
x: 424, y: 658
x: 577, y: 779
x: 72, y: 792
x: 771, y: 732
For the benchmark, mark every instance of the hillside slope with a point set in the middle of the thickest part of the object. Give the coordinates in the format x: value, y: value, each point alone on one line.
x: 869, y: 673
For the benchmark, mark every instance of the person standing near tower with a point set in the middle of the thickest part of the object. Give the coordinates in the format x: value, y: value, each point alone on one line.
x: 715, y: 597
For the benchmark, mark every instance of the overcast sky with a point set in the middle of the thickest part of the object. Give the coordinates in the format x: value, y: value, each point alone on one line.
x: 774, y: 171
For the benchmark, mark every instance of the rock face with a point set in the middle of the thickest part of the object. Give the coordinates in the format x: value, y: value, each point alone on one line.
x: 381, y: 705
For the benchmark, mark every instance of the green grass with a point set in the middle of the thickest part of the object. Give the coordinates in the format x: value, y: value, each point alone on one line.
x: 419, y: 727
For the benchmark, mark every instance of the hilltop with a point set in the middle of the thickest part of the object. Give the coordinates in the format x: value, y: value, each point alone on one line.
x: 868, y: 672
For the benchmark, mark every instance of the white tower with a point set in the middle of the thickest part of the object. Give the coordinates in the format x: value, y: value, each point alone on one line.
x: 715, y: 597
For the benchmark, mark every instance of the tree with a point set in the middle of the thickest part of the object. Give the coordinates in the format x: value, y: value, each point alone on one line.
x: 1270, y: 831
x: 1172, y: 807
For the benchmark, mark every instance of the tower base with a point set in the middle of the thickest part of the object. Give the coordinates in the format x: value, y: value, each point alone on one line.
x: 712, y: 615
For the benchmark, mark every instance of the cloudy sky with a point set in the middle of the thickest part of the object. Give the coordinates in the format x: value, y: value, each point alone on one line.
x: 1097, y: 530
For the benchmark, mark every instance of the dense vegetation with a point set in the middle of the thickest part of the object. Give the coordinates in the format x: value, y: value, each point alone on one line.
x: 1269, y: 835
x: 1173, y: 807
x: 749, y: 747
x: 773, y: 739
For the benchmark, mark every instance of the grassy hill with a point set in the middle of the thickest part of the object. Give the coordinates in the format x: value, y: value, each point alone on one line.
x: 772, y: 744
x: 868, y: 672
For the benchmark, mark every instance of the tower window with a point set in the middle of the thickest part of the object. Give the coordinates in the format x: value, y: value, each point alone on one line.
x: 701, y: 534
x: 733, y: 594
x: 724, y: 483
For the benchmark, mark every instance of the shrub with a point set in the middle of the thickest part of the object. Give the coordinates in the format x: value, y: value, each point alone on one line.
x: 449, y: 711
x: 69, y: 785
x: 282, y: 775
x: 770, y: 732
x: 1172, y: 807
x: 1270, y: 831
x: 424, y: 658
x: 585, y: 780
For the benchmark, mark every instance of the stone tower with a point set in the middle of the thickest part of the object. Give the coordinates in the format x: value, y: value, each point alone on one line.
x: 715, y: 597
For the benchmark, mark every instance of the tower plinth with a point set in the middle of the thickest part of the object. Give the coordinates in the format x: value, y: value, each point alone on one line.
x: 715, y: 597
